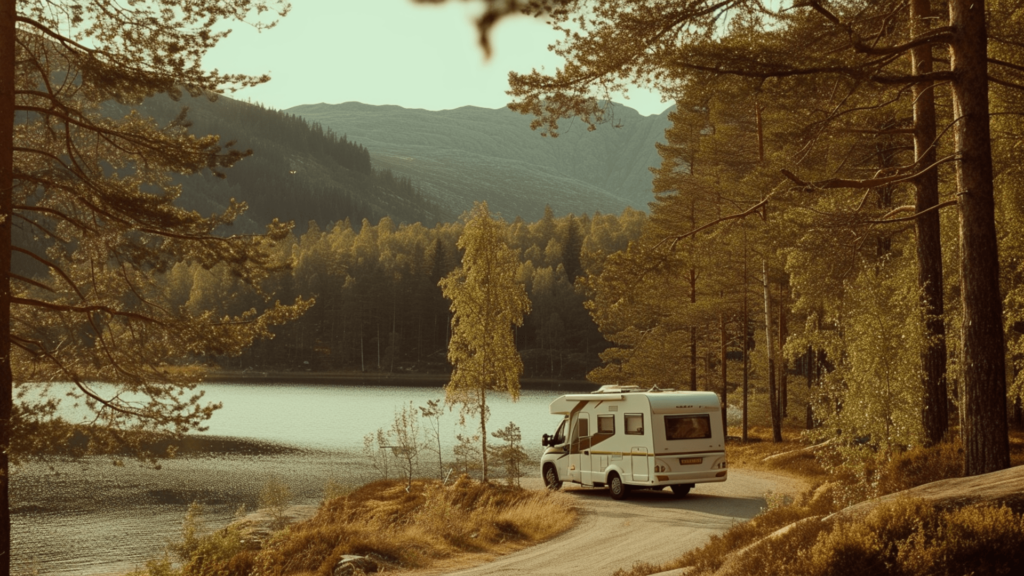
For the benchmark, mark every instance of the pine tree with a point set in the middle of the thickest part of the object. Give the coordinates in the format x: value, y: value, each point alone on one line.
x: 667, y: 44
x: 96, y: 194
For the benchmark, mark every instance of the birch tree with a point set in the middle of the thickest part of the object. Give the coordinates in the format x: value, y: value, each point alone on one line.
x: 487, y: 303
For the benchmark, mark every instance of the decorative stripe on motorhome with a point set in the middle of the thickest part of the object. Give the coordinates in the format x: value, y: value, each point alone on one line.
x: 704, y: 452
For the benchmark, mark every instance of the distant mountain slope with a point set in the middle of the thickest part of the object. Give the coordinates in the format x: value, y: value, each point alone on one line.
x: 298, y: 171
x: 467, y: 154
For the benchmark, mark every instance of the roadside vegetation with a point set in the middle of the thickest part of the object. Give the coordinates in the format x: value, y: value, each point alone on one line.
x: 904, y: 537
x: 398, y: 528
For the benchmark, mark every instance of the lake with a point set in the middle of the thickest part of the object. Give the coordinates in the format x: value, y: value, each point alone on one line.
x: 88, y: 516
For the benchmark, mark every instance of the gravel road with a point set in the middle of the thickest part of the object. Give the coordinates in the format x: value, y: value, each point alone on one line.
x: 651, y: 526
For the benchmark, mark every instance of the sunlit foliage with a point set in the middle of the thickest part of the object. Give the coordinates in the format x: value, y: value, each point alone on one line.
x: 488, y: 302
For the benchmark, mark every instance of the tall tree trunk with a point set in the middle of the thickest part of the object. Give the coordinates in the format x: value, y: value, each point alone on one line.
x: 707, y: 360
x: 783, y: 365
x: 809, y: 371
x: 934, y: 415
x: 725, y: 371
x: 743, y: 338
x: 7, y: 31
x: 693, y: 332
x: 1018, y: 406
x: 773, y: 401
x: 483, y: 427
x: 984, y: 426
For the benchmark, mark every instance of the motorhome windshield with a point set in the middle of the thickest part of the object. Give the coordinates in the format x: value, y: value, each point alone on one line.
x: 559, y: 434
x: 687, y: 427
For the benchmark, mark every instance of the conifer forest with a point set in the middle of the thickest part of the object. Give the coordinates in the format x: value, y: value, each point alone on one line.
x: 833, y: 240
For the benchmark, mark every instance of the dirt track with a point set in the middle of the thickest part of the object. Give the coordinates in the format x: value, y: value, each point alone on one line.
x: 650, y: 526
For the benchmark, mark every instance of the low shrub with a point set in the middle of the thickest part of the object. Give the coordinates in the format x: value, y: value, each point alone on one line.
x: 415, y: 527
x: 197, y: 553
x: 901, y: 538
x: 905, y: 538
x: 710, y: 557
x: 919, y: 466
x: 398, y: 526
x: 639, y: 568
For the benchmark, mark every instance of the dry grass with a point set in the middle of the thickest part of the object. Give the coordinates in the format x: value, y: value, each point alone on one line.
x: 902, y: 538
x: 905, y: 538
x: 399, y: 529
x: 751, y: 454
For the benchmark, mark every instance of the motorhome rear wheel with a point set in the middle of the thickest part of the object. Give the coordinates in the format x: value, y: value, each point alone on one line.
x: 681, y: 489
x: 617, y: 487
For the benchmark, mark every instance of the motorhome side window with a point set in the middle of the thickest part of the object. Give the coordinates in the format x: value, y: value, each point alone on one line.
x: 580, y: 429
x: 606, y: 424
x: 687, y: 427
x: 634, y: 423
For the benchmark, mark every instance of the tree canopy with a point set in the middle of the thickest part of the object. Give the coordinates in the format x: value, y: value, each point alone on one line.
x: 87, y: 216
x: 864, y: 68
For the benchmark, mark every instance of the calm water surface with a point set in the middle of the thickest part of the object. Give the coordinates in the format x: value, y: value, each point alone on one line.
x: 90, y: 517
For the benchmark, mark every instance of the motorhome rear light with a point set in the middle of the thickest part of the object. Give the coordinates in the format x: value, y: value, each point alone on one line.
x: 691, y: 460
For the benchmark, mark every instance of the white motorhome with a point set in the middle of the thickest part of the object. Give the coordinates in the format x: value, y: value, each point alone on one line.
x: 622, y: 437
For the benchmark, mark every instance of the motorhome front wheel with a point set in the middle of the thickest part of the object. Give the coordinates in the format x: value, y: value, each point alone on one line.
x: 551, y: 480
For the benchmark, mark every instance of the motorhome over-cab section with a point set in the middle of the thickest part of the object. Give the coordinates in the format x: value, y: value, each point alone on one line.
x: 624, y: 437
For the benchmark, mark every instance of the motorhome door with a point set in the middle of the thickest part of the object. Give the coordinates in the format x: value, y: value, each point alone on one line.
x: 579, y: 446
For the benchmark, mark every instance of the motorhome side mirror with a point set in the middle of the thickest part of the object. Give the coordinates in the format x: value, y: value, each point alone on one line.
x: 544, y: 441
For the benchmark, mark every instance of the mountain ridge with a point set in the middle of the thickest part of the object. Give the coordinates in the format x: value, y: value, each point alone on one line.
x: 470, y: 153
x: 298, y: 170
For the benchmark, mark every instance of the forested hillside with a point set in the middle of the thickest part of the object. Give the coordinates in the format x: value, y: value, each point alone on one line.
x: 379, y: 307
x: 471, y: 154
x: 298, y: 171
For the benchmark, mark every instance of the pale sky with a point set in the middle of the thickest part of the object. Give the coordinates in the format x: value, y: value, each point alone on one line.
x: 390, y: 52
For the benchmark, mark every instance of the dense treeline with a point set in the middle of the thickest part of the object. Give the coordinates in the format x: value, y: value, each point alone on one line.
x: 298, y: 171
x: 806, y: 199
x: 379, y: 307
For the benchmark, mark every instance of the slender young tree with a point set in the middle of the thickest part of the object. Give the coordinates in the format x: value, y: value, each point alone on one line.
x: 487, y: 304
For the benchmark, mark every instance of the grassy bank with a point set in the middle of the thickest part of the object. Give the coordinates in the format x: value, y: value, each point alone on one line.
x: 904, y: 537
x: 419, y: 528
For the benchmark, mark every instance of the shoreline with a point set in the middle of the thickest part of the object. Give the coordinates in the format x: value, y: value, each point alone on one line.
x: 405, y: 379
